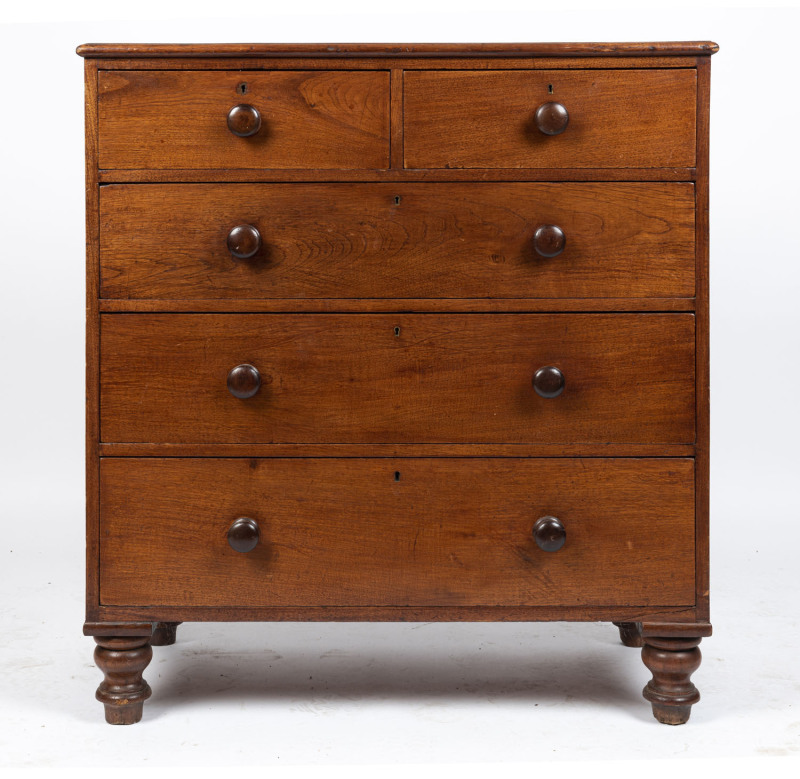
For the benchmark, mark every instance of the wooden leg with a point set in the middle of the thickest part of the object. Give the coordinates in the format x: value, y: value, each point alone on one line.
x: 122, y: 659
x: 671, y: 661
x: 164, y: 634
x: 630, y: 633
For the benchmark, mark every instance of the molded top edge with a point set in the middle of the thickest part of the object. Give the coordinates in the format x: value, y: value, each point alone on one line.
x: 658, y: 49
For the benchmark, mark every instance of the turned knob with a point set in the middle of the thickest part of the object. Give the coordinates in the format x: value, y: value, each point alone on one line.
x: 243, y: 535
x: 549, y: 534
x: 244, y: 120
x: 244, y: 241
x: 244, y: 381
x: 549, y: 240
x: 548, y: 382
x: 551, y: 118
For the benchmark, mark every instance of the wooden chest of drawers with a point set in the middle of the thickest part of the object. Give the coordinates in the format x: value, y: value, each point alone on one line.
x: 397, y: 333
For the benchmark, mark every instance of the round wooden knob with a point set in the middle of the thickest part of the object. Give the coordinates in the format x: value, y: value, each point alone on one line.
x: 243, y: 535
x: 549, y: 534
x: 244, y: 120
x: 244, y: 381
x: 548, y: 382
x: 549, y: 240
x: 551, y: 118
x: 244, y: 241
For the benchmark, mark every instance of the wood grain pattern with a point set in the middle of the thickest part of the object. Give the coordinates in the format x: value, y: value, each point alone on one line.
x: 114, y: 628
x: 618, y: 119
x: 468, y: 240
x: 583, y: 62
x: 123, y: 691
x: 164, y: 634
x: 397, y: 305
x: 702, y: 394
x: 174, y: 119
x: 672, y: 661
x: 669, y: 628
x: 396, y: 110
x: 92, y: 420
x: 398, y: 613
x: 397, y: 461
x: 630, y: 633
x: 343, y: 50
x: 383, y: 378
x: 408, y: 532
x: 395, y: 450
x: 244, y: 175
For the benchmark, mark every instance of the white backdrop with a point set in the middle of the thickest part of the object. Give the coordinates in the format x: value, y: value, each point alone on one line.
x: 755, y: 281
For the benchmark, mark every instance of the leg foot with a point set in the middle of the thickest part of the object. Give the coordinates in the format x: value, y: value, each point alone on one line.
x: 630, y: 633
x: 671, y: 661
x: 122, y: 659
x: 164, y: 634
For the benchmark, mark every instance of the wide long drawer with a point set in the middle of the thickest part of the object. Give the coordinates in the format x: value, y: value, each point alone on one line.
x: 405, y: 532
x: 504, y: 119
x: 172, y: 119
x: 467, y: 240
x: 415, y: 378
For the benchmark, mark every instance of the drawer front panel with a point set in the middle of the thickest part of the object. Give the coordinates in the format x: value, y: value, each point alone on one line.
x: 405, y: 532
x: 471, y: 240
x: 617, y: 119
x: 309, y: 119
x: 413, y: 378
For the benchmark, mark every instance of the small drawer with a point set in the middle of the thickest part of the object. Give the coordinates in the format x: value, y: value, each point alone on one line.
x: 396, y: 532
x: 443, y: 240
x: 397, y: 378
x: 283, y: 119
x: 550, y: 118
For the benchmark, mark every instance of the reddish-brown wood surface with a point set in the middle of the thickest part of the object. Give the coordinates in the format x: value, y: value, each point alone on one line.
x: 470, y: 240
x: 383, y: 378
x: 564, y: 58
x: 702, y: 394
x: 123, y: 691
x: 617, y: 119
x: 92, y: 420
x: 174, y: 119
x: 420, y: 62
x: 397, y: 532
x: 396, y: 305
x: 672, y: 661
x: 395, y: 450
x: 113, y: 614
x: 343, y: 50
x: 408, y: 175
x: 396, y: 110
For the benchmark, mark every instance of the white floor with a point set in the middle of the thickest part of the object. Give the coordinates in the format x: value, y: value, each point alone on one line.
x: 284, y: 694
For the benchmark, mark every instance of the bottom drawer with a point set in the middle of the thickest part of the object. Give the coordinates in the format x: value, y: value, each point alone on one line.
x: 396, y: 532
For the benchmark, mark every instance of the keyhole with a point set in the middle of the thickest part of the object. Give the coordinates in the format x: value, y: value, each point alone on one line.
x: 550, y: 89
x: 242, y: 88
x: 397, y: 331
x: 397, y: 475
x: 397, y: 200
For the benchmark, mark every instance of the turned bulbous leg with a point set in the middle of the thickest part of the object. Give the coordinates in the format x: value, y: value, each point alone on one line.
x: 630, y: 633
x: 122, y: 659
x: 164, y: 634
x: 671, y: 661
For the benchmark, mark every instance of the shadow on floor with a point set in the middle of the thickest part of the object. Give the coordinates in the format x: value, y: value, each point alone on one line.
x: 310, y: 664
